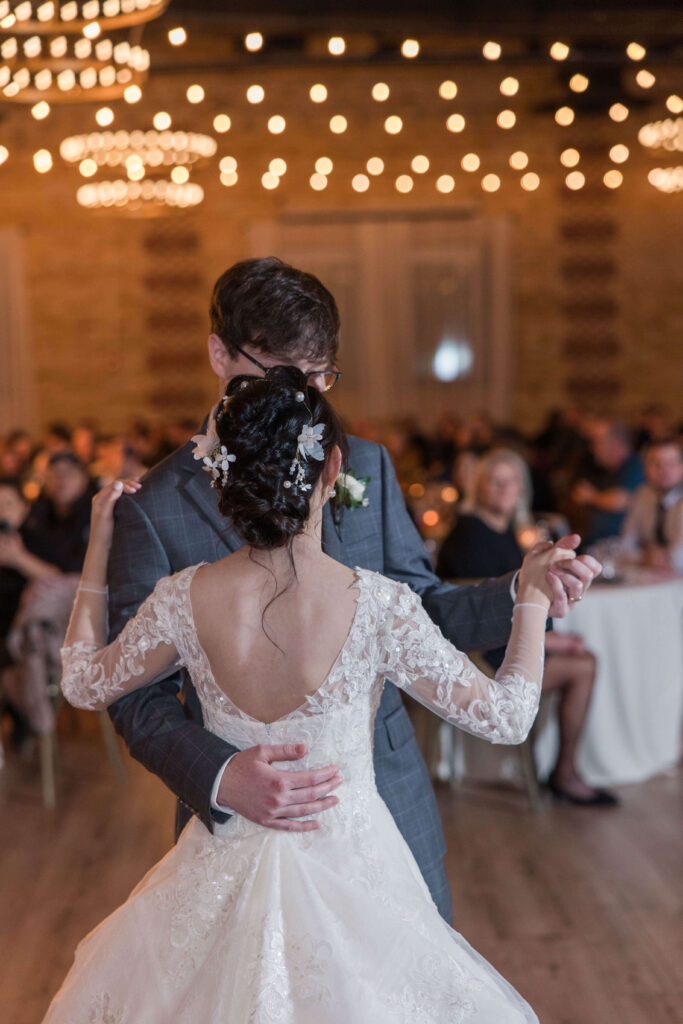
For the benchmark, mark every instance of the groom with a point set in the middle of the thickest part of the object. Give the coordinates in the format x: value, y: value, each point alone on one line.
x: 265, y: 313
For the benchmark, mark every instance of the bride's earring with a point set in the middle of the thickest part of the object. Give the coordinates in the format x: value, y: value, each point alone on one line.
x: 331, y: 493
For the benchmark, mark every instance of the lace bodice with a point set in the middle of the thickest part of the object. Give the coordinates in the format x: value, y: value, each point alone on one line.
x: 391, y: 636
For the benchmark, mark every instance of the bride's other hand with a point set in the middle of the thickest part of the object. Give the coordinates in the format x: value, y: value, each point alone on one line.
x: 569, y: 580
x: 533, y: 585
x: 102, y: 512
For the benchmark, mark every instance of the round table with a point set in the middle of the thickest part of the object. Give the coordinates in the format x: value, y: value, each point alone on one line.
x: 634, y: 725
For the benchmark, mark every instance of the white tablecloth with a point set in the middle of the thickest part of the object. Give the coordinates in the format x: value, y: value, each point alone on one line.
x: 635, y: 722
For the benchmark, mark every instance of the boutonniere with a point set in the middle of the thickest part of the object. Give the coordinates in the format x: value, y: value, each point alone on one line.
x: 213, y: 455
x: 351, y: 490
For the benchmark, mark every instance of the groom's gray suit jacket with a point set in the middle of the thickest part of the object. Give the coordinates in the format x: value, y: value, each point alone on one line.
x: 173, y: 522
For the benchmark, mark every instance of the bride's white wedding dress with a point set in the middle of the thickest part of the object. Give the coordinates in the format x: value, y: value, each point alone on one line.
x: 335, y: 926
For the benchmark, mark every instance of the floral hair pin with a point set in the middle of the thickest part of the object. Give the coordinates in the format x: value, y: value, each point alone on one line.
x: 213, y: 455
x: 307, y: 446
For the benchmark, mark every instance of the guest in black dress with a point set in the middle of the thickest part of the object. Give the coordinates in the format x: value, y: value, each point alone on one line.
x: 484, y: 543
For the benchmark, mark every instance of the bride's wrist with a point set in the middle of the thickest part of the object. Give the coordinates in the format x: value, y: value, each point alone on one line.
x: 530, y: 594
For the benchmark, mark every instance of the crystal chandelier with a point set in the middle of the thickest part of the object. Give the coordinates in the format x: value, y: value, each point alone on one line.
x: 49, y: 17
x: 664, y: 137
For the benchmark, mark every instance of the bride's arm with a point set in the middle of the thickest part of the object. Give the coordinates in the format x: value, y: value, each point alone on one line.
x: 424, y: 664
x: 95, y: 675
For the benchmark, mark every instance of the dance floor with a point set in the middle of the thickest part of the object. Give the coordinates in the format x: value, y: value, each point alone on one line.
x: 580, y: 909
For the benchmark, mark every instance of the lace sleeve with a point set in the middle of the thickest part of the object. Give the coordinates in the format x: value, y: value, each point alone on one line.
x: 423, y: 663
x: 95, y: 675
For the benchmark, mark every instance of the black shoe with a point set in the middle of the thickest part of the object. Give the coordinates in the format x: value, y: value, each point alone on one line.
x: 600, y: 798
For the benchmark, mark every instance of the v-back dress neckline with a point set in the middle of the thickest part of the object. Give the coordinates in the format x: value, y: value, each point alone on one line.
x: 310, y: 698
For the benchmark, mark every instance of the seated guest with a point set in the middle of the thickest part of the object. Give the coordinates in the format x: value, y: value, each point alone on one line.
x: 618, y: 471
x: 483, y: 543
x: 653, y: 529
x: 55, y: 532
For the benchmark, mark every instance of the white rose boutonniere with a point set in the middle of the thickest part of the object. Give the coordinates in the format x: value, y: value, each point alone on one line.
x: 351, y: 490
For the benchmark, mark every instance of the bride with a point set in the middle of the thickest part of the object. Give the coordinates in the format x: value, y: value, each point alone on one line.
x: 334, y: 924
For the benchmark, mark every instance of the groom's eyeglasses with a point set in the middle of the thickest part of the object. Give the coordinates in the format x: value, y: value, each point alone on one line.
x: 322, y: 380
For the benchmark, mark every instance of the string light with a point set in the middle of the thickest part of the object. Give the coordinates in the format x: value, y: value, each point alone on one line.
x: 404, y: 183
x: 317, y: 182
x: 4, y: 153
x: 635, y: 51
x: 92, y: 31
x: 509, y: 86
x: 40, y: 110
x: 318, y: 93
x: 506, y: 119
x: 618, y: 112
x: 222, y: 123
x: 338, y: 124
x: 564, y: 116
x: 470, y: 162
x: 324, y: 165
x: 619, y: 153
x: 256, y: 94
x: 575, y: 180
x: 492, y: 51
x: 420, y: 164
x: 578, y: 83
x: 132, y: 94
x: 674, y: 104
x: 380, y: 92
x: 360, y: 183
x: 645, y: 79
x: 195, y: 94
x: 559, y: 51
x: 229, y: 178
x: 448, y: 90
x: 276, y: 124
x: 161, y: 120
x: 490, y: 183
x: 530, y: 181
x: 42, y: 161
x: 104, y: 116
x: 253, y: 41
x: 455, y: 123
x: 519, y: 160
x: 336, y: 45
x: 180, y: 175
x: 613, y: 178
x: 666, y: 179
x: 393, y: 124
x: 227, y: 165
x: 87, y: 168
x: 570, y: 157
x: 410, y: 48
x: 269, y: 180
x: 177, y: 36
x: 375, y: 165
x: 445, y: 183
x: 277, y: 166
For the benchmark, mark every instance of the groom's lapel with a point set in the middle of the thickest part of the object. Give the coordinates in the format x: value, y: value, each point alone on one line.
x: 197, y: 487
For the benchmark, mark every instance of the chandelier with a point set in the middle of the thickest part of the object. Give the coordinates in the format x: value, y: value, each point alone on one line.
x: 69, y: 70
x: 145, y: 157
x: 666, y: 134
x: 47, y: 17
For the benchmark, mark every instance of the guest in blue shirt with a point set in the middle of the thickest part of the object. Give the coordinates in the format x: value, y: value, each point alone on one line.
x: 606, y: 495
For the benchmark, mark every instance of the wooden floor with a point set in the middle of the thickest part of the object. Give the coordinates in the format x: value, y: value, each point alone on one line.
x: 581, y: 910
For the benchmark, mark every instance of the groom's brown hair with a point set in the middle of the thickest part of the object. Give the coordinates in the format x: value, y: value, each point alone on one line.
x: 270, y: 306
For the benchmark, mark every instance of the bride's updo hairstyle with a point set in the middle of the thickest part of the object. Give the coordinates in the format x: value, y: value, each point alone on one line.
x: 259, y: 422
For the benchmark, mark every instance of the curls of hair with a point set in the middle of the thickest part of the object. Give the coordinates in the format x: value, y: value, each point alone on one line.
x: 259, y: 421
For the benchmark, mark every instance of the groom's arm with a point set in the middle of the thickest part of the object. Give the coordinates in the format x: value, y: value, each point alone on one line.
x: 152, y: 720
x: 476, y: 617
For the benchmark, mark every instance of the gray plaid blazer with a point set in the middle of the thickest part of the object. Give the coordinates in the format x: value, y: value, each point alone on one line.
x: 173, y: 522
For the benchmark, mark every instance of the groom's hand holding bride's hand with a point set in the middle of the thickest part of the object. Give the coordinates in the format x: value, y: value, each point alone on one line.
x: 569, y: 579
x: 253, y: 787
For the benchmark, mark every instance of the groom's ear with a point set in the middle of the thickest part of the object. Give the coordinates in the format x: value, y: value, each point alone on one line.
x: 219, y: 357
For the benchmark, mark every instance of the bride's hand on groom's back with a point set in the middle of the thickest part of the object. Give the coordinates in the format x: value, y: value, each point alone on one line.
x: 253, y: 787
x: 102, y: 510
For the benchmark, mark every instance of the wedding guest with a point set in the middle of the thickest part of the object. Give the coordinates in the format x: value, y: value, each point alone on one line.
x: 484, y: 543
x: 58, y: 525
x: 653, y: 529
x: 618, y: 472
